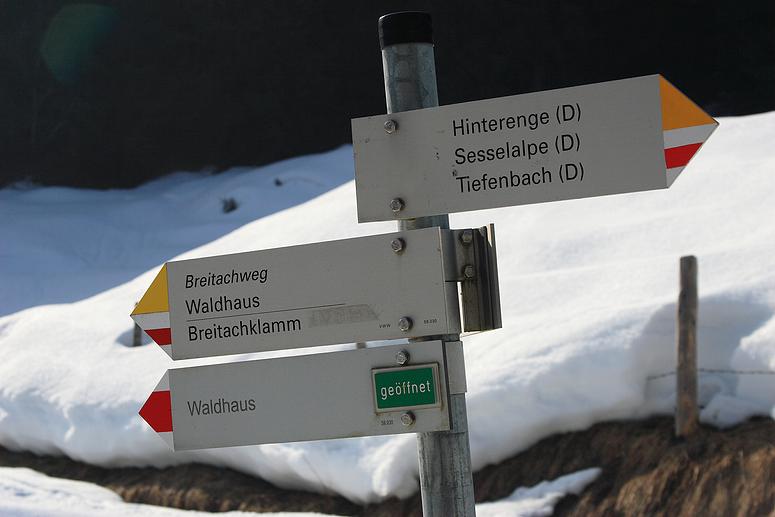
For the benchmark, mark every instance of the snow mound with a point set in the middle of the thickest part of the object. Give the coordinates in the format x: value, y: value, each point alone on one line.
x: 539, y: 500
x: 588, y: 290
x: 26, y: 493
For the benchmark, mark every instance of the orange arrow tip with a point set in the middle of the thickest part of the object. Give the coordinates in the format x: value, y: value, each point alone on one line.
x: 678, y: 110
x: 156, y: 298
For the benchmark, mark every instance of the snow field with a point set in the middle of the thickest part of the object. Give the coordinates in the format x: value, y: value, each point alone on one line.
x: 588, y: 290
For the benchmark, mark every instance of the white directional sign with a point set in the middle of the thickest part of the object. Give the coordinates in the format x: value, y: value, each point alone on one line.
x: 310, y: 397
x: 607, y: 138
x: 369, y: 288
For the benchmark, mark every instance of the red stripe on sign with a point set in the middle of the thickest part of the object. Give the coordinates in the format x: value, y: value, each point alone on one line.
x: 161, y: 336
x: 157, y: 411
x: 680, y: 156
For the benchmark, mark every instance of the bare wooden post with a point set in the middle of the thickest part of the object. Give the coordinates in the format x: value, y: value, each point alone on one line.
x: 137, y: 335
x: 686, y: 415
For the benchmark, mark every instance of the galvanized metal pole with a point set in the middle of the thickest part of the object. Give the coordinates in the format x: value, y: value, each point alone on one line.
x: 409, y: 68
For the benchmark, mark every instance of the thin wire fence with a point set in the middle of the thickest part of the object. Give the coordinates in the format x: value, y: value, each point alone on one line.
x: 715, y: 370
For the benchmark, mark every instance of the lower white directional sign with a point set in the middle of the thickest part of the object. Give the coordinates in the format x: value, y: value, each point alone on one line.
x: 311, y: 397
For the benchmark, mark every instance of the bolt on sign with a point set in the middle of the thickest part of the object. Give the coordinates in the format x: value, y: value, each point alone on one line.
x: 608, y: 138
x: 308, y: 397
x: 369, y: 288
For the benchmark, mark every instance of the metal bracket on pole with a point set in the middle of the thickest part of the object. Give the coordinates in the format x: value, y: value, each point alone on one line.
x: 455, y: 367
x: 475, y: 266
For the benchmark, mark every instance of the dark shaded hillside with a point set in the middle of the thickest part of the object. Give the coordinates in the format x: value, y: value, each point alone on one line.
x: 111, y: 93
x: 645, y: 472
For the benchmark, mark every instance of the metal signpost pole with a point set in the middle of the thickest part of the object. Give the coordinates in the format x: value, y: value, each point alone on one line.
x: 409, y: 68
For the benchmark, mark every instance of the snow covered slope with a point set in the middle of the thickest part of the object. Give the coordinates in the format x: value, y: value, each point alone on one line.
x: 26, y: 493
x: 67, y: 244
x: 588, y: 289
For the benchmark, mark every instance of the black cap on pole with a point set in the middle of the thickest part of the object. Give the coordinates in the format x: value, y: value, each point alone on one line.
x: 405, y: 27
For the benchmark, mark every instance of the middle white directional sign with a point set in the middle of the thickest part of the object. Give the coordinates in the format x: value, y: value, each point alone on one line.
x: 300, y: 296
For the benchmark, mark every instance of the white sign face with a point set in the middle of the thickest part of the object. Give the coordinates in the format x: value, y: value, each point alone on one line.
x: 316, y: 294
x: 608, y: 138
x: 300, y: 398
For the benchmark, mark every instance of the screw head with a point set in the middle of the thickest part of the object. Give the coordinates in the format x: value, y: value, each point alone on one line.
x: 402, y: 357
x: 407, y: 418
x: 466, y: 237
x: 396, y: 204
x: 468, y: 271
x: 397, y: 245
x: 391, y: 126
x: 405, y: 324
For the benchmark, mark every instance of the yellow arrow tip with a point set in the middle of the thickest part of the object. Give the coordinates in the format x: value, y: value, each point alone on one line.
x: 155, y: 298
x: 678, y: 110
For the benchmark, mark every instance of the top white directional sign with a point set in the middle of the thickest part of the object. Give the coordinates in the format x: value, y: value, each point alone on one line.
x: 607, y: 138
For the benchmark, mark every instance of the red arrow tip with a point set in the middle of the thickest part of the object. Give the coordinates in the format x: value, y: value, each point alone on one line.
x: 157, y: 411
x: 161, y: 336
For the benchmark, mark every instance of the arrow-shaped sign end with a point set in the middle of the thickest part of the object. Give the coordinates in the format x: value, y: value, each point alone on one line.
x: 157, y: 410
x: 685, y: 127
x: 156, y: 298
x: 152, y: 312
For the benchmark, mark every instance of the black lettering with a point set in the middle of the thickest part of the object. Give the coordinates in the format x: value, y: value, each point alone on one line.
x: 194, y: 407
x: 533, y: 121
x: 545, y: 173
x: 193, y: 306
x: 456, y: 127
x: 568, y: 112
